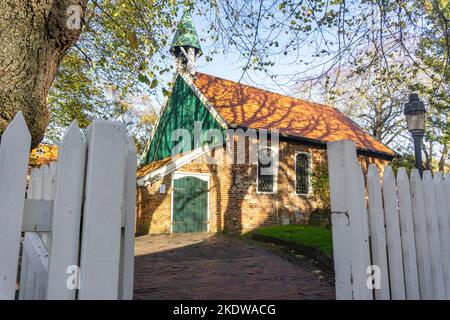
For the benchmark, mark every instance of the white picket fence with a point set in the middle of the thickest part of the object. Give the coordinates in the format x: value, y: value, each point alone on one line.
x: 78, y: 216
x: 393, y: 241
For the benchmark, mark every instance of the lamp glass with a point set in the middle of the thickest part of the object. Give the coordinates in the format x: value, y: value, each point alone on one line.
x: 416, y: 121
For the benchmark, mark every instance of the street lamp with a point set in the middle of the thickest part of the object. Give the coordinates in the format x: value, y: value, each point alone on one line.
x: 415, y: 119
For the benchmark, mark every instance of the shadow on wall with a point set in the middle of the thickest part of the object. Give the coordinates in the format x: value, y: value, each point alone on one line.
x: 233, y: 196
x: 149, y: 202
x: 144, y: 208
x: 284, y: 207
x: 253, y: 108
x: 143, y: 221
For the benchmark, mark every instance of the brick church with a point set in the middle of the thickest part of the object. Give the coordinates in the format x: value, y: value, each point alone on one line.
x: 225, y: 156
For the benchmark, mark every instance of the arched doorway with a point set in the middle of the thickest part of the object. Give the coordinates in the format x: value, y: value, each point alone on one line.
x: 190, y: 203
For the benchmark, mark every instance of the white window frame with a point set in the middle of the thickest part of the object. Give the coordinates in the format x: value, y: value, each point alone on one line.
x: 275, y: 174
x: 309, y: 156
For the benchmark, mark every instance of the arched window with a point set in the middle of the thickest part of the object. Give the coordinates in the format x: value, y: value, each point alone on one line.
x: 266, y: 171
x: 302, y: 174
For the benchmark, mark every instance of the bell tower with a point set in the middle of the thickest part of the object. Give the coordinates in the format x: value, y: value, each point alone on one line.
x: 186, y: 45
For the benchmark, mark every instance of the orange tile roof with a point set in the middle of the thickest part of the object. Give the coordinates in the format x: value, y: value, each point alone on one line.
x: 146, y: 169
x: 43, y: 154
x: 250, y: 107
x: 152, y: 166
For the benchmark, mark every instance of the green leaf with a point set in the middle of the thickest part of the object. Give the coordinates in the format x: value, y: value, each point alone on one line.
x: 132, y: 38
x: 154, y: 84
x: 143, y: 78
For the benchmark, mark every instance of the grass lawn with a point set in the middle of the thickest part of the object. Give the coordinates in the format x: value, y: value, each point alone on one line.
x: 313, y: 236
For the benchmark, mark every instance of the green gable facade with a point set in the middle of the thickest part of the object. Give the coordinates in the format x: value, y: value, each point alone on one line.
x: 183, y: 109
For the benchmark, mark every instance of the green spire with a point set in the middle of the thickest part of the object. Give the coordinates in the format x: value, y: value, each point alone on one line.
x: 186, y: 34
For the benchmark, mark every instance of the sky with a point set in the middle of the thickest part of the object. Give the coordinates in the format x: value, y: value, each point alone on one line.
x: 229, y: 65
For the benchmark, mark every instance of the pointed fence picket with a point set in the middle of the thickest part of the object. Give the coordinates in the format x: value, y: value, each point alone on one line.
x: 99, y: 258
x: 421, y: 237
x: 394, y: 244
x: 377, y: 231
x: 34, y: 270
x: 435, y: 250
x: 444, y: 230
x: 27, y: 275
x: 96, y: 175
x: 348, y: 208
x: 67, y: 207
x: 48, y: 172
x: 127, y: 240
x: 407, y: 236
x: 409, y: 221
x: 14, y: 149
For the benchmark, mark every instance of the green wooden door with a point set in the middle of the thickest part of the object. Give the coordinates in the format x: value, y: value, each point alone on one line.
x: 190, y: 205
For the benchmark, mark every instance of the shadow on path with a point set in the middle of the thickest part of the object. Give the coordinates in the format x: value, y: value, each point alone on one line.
x: 216, y: 266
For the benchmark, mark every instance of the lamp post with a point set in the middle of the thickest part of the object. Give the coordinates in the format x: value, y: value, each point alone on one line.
x: 415, y: 119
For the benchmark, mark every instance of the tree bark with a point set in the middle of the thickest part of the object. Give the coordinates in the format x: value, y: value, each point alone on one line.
x: 428, y: 155
x: 443, y: 159
x: 34, y: 36
x: 446, y: 144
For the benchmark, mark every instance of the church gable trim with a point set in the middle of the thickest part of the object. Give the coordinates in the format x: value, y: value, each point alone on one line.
x: 181, y: 111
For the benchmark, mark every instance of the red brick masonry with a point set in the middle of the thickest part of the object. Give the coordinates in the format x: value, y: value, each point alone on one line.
x: 234, y: 203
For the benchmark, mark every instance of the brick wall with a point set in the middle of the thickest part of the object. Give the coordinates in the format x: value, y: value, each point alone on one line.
x: 234, y: 204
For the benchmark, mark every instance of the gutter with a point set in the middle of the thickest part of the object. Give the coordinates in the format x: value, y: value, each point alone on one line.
x: 323, y: 145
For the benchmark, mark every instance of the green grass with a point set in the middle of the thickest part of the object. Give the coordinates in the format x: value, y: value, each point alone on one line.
x: 313, y: 236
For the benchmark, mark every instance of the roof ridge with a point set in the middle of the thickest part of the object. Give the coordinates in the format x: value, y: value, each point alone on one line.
x: 268, y: 91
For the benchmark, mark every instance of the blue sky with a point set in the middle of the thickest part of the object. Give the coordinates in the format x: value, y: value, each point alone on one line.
x: 229, y: 65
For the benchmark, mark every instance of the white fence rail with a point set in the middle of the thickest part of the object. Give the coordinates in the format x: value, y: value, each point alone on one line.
x: 392, y: 242
x: 78, y: 216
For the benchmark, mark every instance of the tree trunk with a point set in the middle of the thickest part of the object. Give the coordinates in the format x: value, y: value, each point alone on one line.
x: 34, y: 36
x: 378, y: 121
x: 446, y: 144
x: 428, y: 156
x: 444, y: 156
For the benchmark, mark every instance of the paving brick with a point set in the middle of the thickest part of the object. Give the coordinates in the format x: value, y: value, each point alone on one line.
x: 215, y: 266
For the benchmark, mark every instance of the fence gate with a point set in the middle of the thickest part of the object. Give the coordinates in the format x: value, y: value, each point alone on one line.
x: 77, y: 218
x: 393, y: 241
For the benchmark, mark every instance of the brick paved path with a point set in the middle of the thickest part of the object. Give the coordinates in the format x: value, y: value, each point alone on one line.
x: 208, y: 266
